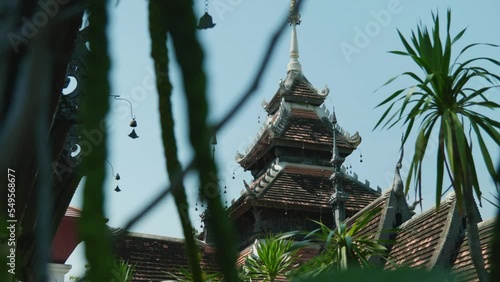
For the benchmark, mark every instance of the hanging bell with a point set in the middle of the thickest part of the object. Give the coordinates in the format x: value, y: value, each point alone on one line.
x: 133, y: 135
x: 117, y: 176
x: 117, y: 189
x: 205, y: 22
x: 133, y: 123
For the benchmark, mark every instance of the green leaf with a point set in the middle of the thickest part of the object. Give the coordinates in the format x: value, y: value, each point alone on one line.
x: 484, y: 150
x: 440, y: 163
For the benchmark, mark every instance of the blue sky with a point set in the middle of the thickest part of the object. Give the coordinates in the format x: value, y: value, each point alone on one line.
x: 342, y: 44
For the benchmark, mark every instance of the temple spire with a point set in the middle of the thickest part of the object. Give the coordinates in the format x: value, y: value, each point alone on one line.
x: 294, y: 64
x: 337, y: 160
x: 397, y: 183
x: 339, y: 197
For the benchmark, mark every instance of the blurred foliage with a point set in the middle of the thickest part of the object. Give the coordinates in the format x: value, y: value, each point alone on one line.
x: 445, y: 99
x: 121, y: 272
x: 343, y: 248
x: 158, y: 30
x: 442, y: 96
x: 185, y: 275
x: 362, y: 275
x: 95, y: 105
x: 275, y: 256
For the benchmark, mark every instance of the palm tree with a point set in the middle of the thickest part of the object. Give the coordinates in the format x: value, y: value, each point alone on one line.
x: 186, y: 275
x: 343, y: 247
x: 444, y: 100
x: 121, y: 272
x: 275, y: 256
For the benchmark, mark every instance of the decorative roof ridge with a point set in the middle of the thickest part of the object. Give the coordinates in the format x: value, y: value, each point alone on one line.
x: 383, y: 195
x: 73, y: 212
x: 260, y: 185
x: 310, y: 166
x: 279, y: 124
x: 152, y: 236
x: 242, y: 200
x: 118, y: 231
x: 285, y: 86
x: 325, y: 115
x: 274, y: 122
x: 397, y: 182
x: 245, y: 249
x: 449, y: 200
x: 486, y: 223
x: 439, y: 253
x: 355, y: 179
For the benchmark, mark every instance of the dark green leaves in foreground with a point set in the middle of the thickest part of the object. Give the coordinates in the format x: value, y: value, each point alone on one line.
x: 275, y: 256
x: 344, y: 247
x: 363, y: 275
x: 178, y: 20
x: 158, y: 30
x: 445, y: 99
x: 95, y: 106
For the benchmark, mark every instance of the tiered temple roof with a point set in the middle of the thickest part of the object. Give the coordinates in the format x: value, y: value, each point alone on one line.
x: 292, y: 161
x: 298, y: 126
x: 301, y: 187
x: 296, y: 88
x: 156, y: 258
x: 427, y: 240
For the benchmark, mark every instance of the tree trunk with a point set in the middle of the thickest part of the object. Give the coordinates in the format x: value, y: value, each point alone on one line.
x: 473, y: 231
x: 495, y: 256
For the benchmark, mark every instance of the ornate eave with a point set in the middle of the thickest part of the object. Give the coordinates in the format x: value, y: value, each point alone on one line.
x: 314, y: 182
x: 352, y: 140
x: 276, y: 129
x: 296, y: 88
x: 259, y: 186
x: 273, y: 126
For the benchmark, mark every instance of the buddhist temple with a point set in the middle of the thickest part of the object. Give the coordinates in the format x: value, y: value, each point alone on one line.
x: 297, y: 163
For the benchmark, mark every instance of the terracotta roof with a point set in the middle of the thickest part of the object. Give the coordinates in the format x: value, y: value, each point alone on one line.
x: 297, y: 126
x: 307, y: 253
x: 66, y: 237
x: 154, y: 256
x: 73, y: 212
x: 462, y: 264
x: 303, y: 255
x: 374, y: 227
x: 308, y: 130
x: 418, y: 240
x: 303, y: 187
x: 243, y: 254
x: 296, y: 87
x: 310, y: 187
